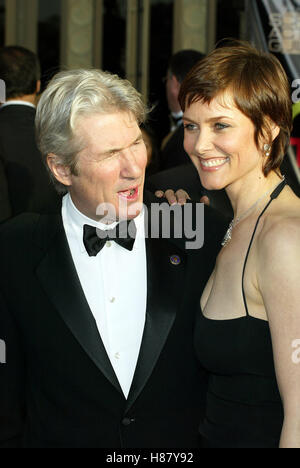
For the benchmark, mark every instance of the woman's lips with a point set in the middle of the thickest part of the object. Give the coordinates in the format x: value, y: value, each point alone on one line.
x: 213, y: 164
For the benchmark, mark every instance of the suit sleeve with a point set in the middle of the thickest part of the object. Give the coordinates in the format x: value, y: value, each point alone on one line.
x: 12, y: 378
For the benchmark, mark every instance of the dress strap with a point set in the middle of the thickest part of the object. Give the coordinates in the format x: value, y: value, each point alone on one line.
x: 273, y: 195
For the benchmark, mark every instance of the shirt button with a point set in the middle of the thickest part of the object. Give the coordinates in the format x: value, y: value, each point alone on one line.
x: 112, y: 299
x: 117, y: 355
x: 108, y: 244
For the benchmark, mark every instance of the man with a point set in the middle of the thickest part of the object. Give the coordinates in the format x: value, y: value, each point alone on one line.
x: 172, y: 153
x: 29, y: 188
x: 99, y: 336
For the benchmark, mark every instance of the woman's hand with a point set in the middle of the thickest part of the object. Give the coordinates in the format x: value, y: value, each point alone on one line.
x: 179, y: 197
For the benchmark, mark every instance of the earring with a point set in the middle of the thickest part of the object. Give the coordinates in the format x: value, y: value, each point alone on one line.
x: 267, y: 149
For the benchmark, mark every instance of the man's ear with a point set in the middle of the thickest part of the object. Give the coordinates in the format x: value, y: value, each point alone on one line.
x: 176, y: 83
x: 61, y: 173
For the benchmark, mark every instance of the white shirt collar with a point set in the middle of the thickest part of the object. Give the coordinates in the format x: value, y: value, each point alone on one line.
x: 177, y: 115
x: 76, y: 220
x: 14, y: 102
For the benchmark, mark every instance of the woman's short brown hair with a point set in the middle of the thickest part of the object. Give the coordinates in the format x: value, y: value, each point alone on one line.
x: 259, y: 87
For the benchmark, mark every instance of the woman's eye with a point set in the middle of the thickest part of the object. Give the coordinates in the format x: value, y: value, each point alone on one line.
x: 190, y: 127
x: 220, y: 126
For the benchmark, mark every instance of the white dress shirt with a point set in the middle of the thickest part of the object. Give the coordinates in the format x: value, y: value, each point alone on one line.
x: 176, y: 120
x: 115, y: 286
x: 14, y: 102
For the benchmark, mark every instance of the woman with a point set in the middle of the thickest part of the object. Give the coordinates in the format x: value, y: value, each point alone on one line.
x: 237, y: 119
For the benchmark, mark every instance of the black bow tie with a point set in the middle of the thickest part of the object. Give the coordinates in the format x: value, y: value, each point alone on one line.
x: 123, y: 234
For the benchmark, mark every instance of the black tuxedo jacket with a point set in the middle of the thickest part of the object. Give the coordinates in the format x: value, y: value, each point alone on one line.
x: 58, y: 388
x: 5, y: 210
x: 29, y: 186
x: 173, y: 154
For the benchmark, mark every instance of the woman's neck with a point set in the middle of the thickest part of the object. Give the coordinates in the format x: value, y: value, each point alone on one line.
x: 245, y: 192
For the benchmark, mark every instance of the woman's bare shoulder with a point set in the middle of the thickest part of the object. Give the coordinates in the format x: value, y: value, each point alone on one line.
x: 281, y: 228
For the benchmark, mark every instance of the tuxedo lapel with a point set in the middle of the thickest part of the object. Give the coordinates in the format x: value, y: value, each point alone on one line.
x: 56, y: 272
x: 164, y: 289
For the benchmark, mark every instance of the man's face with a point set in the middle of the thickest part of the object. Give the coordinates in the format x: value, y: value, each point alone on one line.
x: 111, y: 167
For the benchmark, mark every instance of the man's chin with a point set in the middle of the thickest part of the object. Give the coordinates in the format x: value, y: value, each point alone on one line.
x: 131, y: 211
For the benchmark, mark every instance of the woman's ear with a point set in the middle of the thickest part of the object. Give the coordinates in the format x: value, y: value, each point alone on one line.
x: 60, y: 172
x: 270, y: 131
x: 275, y: 130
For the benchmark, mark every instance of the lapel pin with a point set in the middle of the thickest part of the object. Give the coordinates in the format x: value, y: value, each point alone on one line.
x: 175, y: 260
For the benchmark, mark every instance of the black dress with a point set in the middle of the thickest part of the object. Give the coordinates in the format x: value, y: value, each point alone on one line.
x: 244, y: 408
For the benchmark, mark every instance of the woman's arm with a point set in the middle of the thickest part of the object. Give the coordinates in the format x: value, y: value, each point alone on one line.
x: 279, y: 282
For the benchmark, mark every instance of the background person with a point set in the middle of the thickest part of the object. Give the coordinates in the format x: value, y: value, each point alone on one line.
x: 172, y: 150
x: 29, y: 187
x: 152, y: 149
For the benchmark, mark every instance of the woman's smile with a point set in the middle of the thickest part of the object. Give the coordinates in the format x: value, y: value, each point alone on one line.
x: 213, y: 164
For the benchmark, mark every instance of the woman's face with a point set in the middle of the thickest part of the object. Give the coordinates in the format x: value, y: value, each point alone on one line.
x: 219, y: 138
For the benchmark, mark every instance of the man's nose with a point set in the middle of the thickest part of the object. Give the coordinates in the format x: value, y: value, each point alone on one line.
x: 131, y: 165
